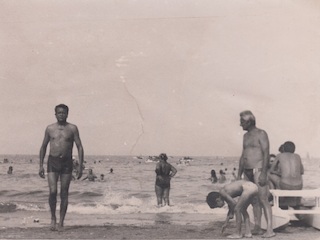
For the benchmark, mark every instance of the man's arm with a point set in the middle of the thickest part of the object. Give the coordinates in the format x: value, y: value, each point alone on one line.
x: 302, y: 168
x: 77, y: 140
x: 43, y: 150
x: 275, y: 167
x: 264, y: 144
x: 241, y: 161
x: 240, y: 170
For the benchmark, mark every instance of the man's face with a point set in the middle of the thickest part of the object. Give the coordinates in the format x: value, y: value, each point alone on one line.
x: 245, y: 123
x: 61, y: 114
x: 272, y: 159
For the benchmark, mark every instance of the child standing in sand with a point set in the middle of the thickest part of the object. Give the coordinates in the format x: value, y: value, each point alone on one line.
x: 243, y: 189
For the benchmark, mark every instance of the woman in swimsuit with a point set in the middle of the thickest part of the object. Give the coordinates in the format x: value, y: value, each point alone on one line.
x: 165, y: 171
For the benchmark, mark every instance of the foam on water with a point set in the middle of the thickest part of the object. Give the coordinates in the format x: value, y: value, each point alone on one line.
x: 129, y: 190
x: 119, y: 203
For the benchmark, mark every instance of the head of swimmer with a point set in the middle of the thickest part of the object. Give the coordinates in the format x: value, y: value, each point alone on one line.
x: 61, y: 112
x: 247, y: 120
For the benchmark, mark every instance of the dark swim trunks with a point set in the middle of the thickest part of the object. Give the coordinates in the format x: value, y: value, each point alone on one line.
x: 59, y: 165
x: 285, y: 186
x: 249, y: 173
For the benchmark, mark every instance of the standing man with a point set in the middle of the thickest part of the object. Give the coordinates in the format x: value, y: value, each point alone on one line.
x: 61, y: 136
x: 254, y: 165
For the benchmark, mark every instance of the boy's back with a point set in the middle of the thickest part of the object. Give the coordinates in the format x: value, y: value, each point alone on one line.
x: 243, y: 189
x: 236, y: 188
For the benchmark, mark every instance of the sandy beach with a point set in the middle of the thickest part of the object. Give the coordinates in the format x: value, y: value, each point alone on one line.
x: 124, y: 207
x: 159, y: 231
x: 16, y: 225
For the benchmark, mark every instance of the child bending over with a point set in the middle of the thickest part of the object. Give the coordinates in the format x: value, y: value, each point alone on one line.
x: 243, y: 189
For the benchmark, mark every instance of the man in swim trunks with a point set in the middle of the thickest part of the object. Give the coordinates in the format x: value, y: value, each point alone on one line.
x: 243, y: 189
x: 288, y: 170
x: 165, y: 171
x: 61, y: 136
x: 253, y: 165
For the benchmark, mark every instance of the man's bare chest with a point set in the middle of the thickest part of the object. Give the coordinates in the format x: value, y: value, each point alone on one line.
x: 61, y: 135
x: 251, y: 141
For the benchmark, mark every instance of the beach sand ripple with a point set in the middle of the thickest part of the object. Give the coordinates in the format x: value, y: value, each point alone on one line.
x: 161, y: 231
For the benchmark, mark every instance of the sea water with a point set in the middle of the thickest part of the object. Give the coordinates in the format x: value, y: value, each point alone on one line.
x: 128, y: 191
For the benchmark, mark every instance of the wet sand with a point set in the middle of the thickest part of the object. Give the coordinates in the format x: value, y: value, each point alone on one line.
x: 18, y: 225
x: 211, y: 230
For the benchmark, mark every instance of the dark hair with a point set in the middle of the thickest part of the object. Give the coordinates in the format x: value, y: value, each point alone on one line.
x: 272, y: 155
x: 281, y: 148
x: 289, y: 147
x: 62, y: 106
x: 212, y: 199
x: 163, y: 156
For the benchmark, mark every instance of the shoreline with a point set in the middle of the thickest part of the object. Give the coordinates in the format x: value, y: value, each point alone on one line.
x: 295, y: 231
x: 39, y: 219
x: 19, y: 225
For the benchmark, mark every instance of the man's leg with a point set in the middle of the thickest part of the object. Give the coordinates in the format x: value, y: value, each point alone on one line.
x: 257, y: 213
x: 275, y: 180
x: 64, y: 193
x: 52, y: 181
x: 263, y: 198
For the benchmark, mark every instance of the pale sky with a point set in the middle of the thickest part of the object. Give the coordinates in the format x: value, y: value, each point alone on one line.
x: 145, y: 77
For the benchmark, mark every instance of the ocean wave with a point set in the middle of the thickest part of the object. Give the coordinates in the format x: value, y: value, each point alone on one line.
x: 32, y: 206
x: 119, y: 203
x: 100, y: 209
x: 26, y: 193
x: 90, y: 194
x: 7, y: 207
x: 132, y: 206
x: 4, y: 192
